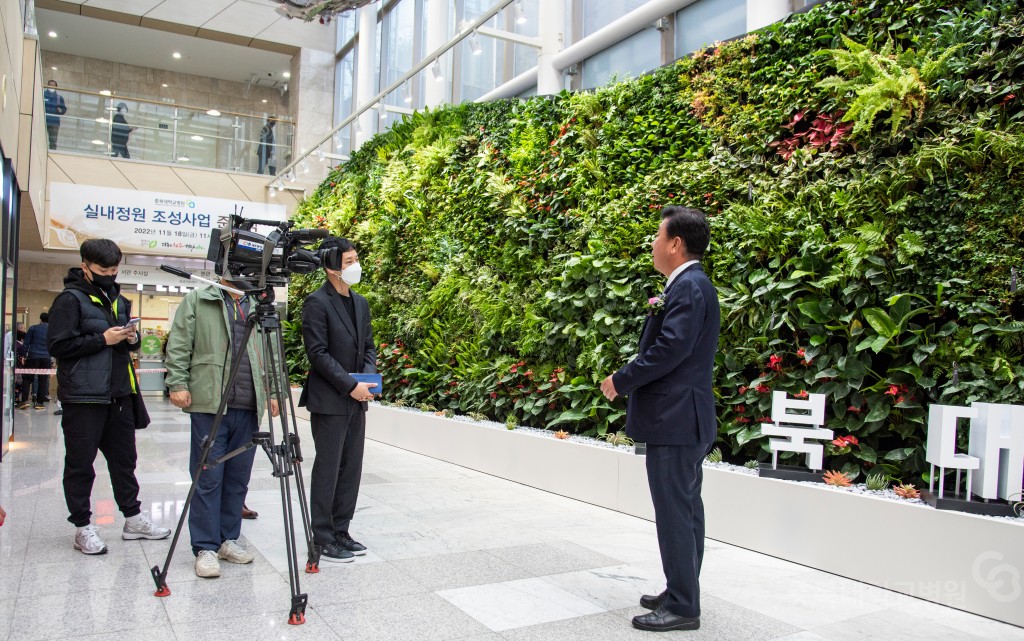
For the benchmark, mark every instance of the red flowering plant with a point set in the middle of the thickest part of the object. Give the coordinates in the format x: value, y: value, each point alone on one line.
x: 396, y: 369
x: 842, y: 445
x: 748, y: 404
x: 825, y: 132
x: 531, y: 393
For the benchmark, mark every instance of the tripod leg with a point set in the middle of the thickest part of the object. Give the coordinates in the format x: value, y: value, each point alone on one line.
x: 160, y: 575
x: 282, y: 458
x: 294, y: 451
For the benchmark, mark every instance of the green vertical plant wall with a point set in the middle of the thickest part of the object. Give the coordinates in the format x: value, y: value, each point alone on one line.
x: 860, y: 167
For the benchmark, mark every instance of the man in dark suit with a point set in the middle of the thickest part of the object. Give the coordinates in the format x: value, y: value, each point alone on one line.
x: 671, y: 407
x: 338, y: 338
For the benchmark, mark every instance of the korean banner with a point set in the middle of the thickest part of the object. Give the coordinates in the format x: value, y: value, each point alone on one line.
x: 143, y: 222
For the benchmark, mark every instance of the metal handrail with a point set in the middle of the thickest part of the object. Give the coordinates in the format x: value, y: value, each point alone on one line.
x: 228, y: 138
x: 127, y: 98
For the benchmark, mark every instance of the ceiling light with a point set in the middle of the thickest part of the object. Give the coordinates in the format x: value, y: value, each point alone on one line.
x: 98, y: 142
x: 212, y: 112
x: 520, y: 12
x: 197, y: 138
x: 176, y: 55
x: 287, y: 74
x: 273, y: 192
x: 383, y: 111
x: 474, y: 44
x: 53, y: 68
x: 52, y: 34
x: 102, y: 120
x: 105, y: 92
x: 264, y: 101
x: 435, y: 69
x: 138, y: 287
x: 291, y: 175
x: 164, y: 85
x: 280, y: 185
x: 183, y: 158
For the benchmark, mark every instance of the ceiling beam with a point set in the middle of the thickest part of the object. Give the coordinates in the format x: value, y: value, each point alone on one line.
x: 169, y: 27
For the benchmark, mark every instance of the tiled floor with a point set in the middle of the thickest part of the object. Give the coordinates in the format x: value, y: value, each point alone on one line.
x: 454, y: 555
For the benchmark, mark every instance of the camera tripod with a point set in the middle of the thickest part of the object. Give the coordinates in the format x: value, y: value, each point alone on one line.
x: 285, y: 455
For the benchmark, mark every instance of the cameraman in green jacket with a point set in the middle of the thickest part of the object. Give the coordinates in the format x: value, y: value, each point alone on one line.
x: 206, y: 334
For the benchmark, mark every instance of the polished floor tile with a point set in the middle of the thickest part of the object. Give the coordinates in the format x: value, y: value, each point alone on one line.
x: 348, y: 583
x: 888, y: 624
x: 448, y: 571
x: 266, y: 626
x: 513, y: 604
x: 721, y: 619
x: 553, y: 558
x: 427, y: 617
x: 454, y: 555
x: 611, y: 588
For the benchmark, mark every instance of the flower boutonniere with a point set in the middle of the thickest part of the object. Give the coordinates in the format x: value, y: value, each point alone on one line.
x: 655, y: 304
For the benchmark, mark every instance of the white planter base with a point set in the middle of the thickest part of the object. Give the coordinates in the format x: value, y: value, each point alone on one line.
x: 963, y: 561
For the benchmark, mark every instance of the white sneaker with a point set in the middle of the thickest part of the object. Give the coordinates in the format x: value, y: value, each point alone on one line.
x: 207, y: 565
x: 232, y: 552
x: 88, y: 540
x: 141, y: 527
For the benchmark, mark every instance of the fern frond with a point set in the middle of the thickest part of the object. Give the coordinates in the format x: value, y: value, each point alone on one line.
x: 908, y: 245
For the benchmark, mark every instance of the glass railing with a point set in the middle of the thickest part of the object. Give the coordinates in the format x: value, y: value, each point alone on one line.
x: 168, y: 133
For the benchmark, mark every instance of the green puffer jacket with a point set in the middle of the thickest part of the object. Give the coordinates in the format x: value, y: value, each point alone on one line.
x: 198, y: 357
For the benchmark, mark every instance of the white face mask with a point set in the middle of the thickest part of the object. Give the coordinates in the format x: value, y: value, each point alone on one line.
x: 352, y: 274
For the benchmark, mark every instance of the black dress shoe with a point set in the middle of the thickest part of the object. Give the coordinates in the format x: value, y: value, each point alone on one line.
x: 661, y: 620
x: 652, y: 602
x: 346, y: 542
x: 332, y: 552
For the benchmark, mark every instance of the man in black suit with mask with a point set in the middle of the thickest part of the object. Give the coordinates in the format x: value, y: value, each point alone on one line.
x: 671, y: 408
x: 338, y: 338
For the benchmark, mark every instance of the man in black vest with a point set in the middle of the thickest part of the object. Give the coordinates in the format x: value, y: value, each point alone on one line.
x: 92, y: 340
x: 338, y: 338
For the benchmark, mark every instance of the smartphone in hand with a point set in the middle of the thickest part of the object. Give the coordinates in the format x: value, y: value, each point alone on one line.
x: 132, y: 323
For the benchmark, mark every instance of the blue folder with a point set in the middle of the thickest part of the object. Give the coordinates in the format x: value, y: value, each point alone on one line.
x: 375, y: 380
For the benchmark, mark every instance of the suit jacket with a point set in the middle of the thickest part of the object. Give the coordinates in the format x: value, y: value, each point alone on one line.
x: 336, y: 348
x: 669, y: 384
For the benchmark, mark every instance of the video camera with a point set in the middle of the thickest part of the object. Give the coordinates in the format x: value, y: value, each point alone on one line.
x: 256, y: 261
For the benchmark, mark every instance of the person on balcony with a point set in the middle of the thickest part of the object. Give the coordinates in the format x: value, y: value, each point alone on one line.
x: 265, y: 150
x: 119, y: 132
x: 53, y: 102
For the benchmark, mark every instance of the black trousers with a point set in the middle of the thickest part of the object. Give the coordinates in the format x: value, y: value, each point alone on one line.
x: 92, y: 427
x: 334, y: 485
x: 51, y: 134
x: 675, y: 476
x: 40, y: 383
